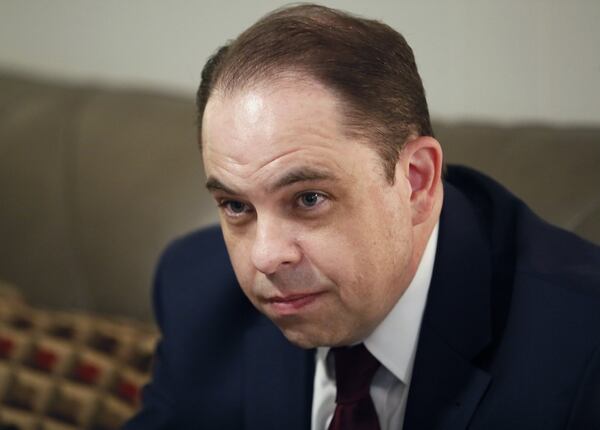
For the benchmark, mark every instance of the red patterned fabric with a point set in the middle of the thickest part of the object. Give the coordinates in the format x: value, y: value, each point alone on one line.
x: 6, y: 347
x: 87, y: 373
x: 45, y: 360
x: 128, y: 391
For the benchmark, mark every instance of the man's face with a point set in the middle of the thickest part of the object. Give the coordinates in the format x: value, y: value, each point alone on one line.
x: 319, y: 240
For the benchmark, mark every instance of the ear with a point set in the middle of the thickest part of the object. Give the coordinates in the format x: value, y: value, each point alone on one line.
x: 421, y: 160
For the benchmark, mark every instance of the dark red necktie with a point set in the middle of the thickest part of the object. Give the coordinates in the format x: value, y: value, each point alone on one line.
x: 354, y: 370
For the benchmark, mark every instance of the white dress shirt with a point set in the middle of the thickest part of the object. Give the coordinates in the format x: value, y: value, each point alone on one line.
x: 393, y: 343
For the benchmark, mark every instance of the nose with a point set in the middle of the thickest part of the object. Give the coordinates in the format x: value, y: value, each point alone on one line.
x: 274, y: 246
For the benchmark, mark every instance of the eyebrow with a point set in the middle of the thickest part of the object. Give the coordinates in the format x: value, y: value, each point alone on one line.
x: 302, y: 174
x: 213, y: 184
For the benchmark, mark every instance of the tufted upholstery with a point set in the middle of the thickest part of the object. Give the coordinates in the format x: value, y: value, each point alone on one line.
x: 94, y: 182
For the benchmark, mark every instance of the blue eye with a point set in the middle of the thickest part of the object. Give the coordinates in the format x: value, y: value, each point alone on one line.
x: 234, y: 207
x: 310, y: 199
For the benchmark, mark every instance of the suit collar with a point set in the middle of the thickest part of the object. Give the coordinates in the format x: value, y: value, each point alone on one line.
x: 277, y: 380
x: 446, y: 386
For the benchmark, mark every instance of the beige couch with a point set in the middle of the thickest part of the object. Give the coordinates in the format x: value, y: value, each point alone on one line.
x: 95, y: 181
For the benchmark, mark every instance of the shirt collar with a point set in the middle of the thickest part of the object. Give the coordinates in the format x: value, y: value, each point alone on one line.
x: 394, y: 340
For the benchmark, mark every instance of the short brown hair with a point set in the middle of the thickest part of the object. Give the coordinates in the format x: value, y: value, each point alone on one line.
x: 366, y: 63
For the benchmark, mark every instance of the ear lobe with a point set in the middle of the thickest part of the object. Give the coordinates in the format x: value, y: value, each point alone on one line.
x: 424, y: 157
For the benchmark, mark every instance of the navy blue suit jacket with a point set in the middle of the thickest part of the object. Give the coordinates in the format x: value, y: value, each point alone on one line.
x: 510, y: 337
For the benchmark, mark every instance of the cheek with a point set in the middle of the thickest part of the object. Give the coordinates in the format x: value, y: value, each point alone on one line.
x: 240, y: 261
x: 338, y: 255
x: 370, y: 255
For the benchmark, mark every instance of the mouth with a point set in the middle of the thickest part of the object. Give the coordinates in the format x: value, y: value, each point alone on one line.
x: 294, y: 303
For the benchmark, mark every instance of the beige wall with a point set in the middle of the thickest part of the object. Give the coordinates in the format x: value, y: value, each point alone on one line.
x: 507, y: 61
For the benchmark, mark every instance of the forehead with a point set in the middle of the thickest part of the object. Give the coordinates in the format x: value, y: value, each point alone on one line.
x: 255, y: 124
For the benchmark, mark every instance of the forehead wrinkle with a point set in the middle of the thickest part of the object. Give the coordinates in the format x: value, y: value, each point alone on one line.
x: 312, y: 165
x: 302, y: 174
x: 316, y: 171
x: 319, y: 138
x: 243, y: 163
x: 213, y: 183
x: 276, y: 158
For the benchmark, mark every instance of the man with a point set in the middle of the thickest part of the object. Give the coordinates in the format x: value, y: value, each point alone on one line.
x: 365, y: 290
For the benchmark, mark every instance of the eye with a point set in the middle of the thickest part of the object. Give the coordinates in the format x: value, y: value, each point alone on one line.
x: 310, y: 199
x: 234, y: 207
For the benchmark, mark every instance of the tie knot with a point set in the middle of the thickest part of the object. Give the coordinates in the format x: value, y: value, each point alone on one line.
x: 355, y: 367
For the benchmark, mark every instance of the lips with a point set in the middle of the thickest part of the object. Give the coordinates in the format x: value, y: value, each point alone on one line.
x: 291, y: 304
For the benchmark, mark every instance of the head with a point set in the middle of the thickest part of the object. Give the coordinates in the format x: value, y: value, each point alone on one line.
x: 317, y: 145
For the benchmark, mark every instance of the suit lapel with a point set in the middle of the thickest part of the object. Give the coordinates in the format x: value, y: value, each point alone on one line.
x: 277, y: 380
x: 446, y: 386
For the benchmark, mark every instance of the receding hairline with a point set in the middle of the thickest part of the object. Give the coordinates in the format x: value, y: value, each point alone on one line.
x: 366, y: 63
x: 289, y: 79
x: 273, y: 78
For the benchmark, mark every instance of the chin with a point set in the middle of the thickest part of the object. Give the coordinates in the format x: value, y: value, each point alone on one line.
x: 301, y: 339
x: 309, y: 339
x: 303, y: 342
